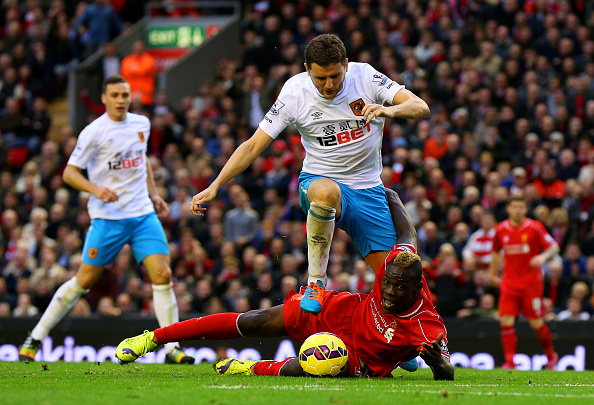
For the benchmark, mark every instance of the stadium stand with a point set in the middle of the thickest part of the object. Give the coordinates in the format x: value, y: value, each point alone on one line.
x: 510, y: 85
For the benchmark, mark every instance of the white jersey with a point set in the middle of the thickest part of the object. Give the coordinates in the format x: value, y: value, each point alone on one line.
x: 338, y: 143
x: 114, y: 154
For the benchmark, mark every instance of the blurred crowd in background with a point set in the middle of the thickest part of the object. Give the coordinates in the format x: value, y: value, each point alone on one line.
x: 510, y: 84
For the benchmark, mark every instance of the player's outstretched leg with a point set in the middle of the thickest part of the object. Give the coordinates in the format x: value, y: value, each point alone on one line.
x: 287, y: 367
x: 320, y: 227
x: 132, y: 348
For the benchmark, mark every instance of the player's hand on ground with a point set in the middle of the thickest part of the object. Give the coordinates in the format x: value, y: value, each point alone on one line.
x: 537, y: 261
x: 431, y: 352
x: 202, y: 197
x: 105, y: 194
x: 371, y: 111
x: 161, y: 206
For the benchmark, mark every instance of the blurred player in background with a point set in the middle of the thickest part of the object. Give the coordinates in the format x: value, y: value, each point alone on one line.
x: 122, y: 207
x: 393, y: 324
x: 526, y: 246
x: 338, y: 108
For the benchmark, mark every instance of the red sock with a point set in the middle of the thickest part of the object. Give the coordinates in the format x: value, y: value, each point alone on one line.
x: 509, y: 340
x: 269, y: 367
x: 214, y: 327
x: 545, y: 339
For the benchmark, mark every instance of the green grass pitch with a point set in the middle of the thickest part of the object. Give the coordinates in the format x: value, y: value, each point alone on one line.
x: 110, y: 383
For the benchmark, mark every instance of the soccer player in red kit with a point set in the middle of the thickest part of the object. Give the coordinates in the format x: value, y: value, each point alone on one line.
x: 396, y: 322
x: 526, y: 246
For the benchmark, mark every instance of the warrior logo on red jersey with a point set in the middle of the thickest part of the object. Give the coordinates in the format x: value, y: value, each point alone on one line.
x: 357, y: 107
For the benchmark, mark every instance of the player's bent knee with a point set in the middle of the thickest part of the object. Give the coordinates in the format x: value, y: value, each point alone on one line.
x: 162, y: 276
x: 536, y: 323
x: 158, y: 269
x: 325, y: 192
x: 507, y: 321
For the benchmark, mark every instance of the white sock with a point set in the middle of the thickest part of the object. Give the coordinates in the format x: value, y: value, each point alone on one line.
x: 62, y: 302
x: 165, y: 305
x: 320, y: 228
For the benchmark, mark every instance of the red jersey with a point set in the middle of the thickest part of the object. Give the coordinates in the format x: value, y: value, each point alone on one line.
x: 520, y: 244
x: 382, y: 340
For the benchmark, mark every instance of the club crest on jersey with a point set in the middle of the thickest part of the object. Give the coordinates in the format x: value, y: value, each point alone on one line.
x: 357, y: 107
x: 141, y: 136
x: 524, y: 238
x: 276, y: 107
x: 93, y: 252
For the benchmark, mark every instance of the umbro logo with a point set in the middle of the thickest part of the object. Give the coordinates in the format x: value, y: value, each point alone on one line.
x: 317, y: 115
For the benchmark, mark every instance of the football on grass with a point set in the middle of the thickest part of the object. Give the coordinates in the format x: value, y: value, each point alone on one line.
x: 323, y: 355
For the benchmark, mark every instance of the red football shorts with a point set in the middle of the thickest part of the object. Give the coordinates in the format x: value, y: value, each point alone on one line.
x: 529, y: 303
x: 336, y: 317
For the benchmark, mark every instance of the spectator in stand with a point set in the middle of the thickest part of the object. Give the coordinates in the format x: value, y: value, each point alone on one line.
x: 550, y: 188
x: 480, y: 243
x: 574, y: 262
x: 25, y: 308
x: 110, y: 62
x: 581, y: 292
x: 556, y: 286
x: 573, y: 312
x: 139, y: 69
x: 97, y: 25
x: 429, y: 238
x: 419, y: 202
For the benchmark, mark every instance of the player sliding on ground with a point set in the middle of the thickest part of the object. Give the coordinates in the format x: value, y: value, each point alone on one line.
x: 338, y: 108
x: 391, y: 325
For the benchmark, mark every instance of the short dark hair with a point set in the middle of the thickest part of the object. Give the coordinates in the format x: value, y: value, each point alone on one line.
x: 519, y: 197
x: 411, y: 263
x: 325, y: 50
x: 113, y: 79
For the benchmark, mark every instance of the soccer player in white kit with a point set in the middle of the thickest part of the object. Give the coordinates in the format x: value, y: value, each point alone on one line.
x: 122, y: 207
x: 338, y: 108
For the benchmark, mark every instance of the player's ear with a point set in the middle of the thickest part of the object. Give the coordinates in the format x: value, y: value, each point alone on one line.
x: 103, y: 98
x: 419, y: 286
x: 306, y: 69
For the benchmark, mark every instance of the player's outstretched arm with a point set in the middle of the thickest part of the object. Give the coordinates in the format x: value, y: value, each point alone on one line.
x: 243, y: 156
x: 73, y: 177
x: 403, y: 223
x: 440, y: 365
